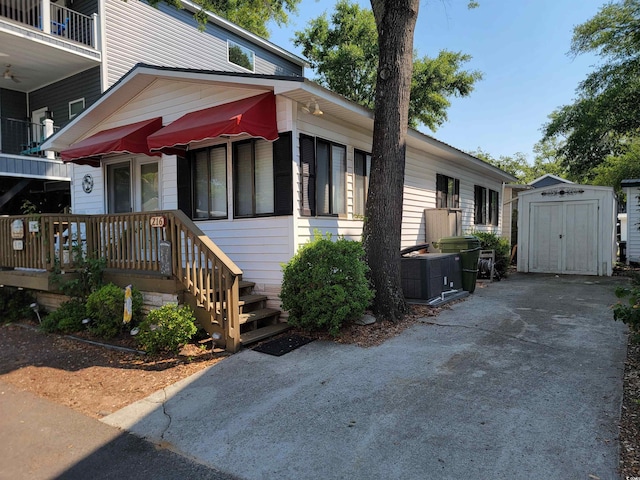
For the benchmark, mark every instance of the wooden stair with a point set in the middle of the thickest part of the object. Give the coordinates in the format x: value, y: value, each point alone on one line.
x: 257, y: 322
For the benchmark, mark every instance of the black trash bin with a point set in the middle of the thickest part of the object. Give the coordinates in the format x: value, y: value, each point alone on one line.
x: 469, y: 248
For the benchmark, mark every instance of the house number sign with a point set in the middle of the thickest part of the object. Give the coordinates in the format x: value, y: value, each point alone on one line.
x: 158, y: 221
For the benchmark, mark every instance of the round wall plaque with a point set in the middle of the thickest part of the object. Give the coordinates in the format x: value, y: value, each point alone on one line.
x: 87, y: 183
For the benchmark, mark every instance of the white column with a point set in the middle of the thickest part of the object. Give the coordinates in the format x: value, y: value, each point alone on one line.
x: 48, y: 131
x: 95, y: 24
x: 46, y: 16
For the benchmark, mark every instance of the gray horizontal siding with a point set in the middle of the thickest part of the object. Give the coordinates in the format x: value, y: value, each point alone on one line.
x: 58, y: 95
x: 33, y: 167
x: 165, y: 36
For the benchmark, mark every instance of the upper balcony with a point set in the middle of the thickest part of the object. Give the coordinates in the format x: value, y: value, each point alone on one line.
x: 44, y: 42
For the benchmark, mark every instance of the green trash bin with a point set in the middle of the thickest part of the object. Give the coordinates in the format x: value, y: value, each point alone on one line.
x: 468, y: 247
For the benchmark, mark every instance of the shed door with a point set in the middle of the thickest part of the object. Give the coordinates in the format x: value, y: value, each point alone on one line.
x: 563, y: 237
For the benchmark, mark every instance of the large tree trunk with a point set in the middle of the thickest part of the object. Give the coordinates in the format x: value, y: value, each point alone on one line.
x: 396, y: 21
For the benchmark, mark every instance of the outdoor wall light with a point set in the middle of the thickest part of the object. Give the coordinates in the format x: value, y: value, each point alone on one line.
x: 316, y: 108
x: 36, y: 308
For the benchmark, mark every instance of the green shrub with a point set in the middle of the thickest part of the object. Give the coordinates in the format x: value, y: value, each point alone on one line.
x: 491, y: 241
x: 629, y: 312
x: 105, y: 308
x: 325, y: 285
x: 89, y: 278
x: 15, y: 304
x: 167, y: 328
x: 66, y: 319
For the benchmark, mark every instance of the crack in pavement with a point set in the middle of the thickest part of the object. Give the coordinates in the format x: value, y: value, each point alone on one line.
x: 515, y: 337
x: 166, y: 414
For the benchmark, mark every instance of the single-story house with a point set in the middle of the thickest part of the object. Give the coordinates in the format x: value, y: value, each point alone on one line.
x: 257, y: 162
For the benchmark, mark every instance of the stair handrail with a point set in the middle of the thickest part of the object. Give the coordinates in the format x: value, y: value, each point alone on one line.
x: 132, y: 241
x: 222, y: 304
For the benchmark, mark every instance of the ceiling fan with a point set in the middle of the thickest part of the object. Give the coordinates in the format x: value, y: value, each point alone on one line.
x: 8, y: 75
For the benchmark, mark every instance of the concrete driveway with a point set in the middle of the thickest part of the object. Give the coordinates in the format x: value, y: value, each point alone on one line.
x: 522, y: 380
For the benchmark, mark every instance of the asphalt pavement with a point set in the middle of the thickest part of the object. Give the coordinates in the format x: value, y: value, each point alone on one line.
x: 43, y: 440
x: 521, y: 380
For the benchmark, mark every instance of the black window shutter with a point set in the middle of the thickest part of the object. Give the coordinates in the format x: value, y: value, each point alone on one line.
x: 184, y: 186
x: 441, y: 188
x: 308, y: 167
x: 477, y: 196
x: 456, y: 195
x: 283, y: 176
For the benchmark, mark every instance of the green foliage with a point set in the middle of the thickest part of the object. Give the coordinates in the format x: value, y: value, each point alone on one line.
x: 491, y: 241
x: 605, y: 115
x: 629, y: 312
x: 67, y: 318
x: 253, y: 15
x: 89, y: 271
x: 344, y: 53
x: 167, y: 328
x: 15, y: 304
x: 105, y: 308
x: 614, y: 169
x: 325, y: 284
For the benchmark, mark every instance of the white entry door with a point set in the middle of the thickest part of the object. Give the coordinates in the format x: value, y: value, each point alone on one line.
x: 563, y: 237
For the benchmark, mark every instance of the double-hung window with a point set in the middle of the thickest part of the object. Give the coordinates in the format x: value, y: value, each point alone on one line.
x: 447, y: 192
x: 324, y: 176
x: 262, y: 173
x: 253, y: 174
x: 261, y: 183
x: 486, y: 206
x: 361, y: 169
x: 210, y: 183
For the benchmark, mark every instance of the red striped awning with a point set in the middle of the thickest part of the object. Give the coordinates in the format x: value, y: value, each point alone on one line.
x: 254, y: 116
x: 130, y: 138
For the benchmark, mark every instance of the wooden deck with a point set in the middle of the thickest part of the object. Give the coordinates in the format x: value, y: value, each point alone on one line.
x: 164, y: 251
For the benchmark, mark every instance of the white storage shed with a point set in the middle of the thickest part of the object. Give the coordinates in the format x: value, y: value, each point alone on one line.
x: 567, y: 229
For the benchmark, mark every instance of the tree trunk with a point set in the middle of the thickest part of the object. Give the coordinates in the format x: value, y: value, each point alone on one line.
x: 396, y: 21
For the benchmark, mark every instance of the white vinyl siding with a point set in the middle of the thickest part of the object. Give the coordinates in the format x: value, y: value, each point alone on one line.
x: 259, y: 246
x: 633, y: 223
x: 419, y: 188
x: 136, y: 32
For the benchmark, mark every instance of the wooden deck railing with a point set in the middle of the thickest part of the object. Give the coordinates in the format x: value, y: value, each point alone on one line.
x: 134, y: 241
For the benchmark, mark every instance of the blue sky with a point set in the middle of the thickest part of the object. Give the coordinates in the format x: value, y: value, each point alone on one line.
x: 521, y: 48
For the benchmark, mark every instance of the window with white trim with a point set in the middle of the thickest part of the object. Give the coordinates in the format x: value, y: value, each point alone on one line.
x: 210, y: 183
x: 486, y: 206
x: 241, y: 56
x: 447, y: 192
x: 75, y: 107
x: 324, y: 176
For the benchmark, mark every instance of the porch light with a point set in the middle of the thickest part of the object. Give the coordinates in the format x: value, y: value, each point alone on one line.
x: 312, y: 103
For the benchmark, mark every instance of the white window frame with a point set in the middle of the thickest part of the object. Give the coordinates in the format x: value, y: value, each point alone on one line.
x: 135, y: 164
x: 230, y: 44
x: 72, y: 102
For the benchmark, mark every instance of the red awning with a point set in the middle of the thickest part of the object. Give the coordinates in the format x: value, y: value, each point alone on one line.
x: 130, y: 138
x: 254, y: 116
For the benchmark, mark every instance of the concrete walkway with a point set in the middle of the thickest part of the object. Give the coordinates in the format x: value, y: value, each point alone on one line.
x: 521, y: 380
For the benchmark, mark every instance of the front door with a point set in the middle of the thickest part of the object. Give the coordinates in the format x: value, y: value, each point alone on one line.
x: 133, y: 185
x: 563, y: 237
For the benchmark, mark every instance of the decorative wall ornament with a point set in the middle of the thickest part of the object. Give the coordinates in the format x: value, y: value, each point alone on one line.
x: 564, y: 191
x: 87, y: 183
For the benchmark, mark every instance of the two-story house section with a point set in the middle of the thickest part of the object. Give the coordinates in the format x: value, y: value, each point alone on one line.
x: 57, y: 57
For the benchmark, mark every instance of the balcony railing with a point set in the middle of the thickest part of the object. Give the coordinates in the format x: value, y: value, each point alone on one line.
x: 20, y: 137
x: 52, y: 18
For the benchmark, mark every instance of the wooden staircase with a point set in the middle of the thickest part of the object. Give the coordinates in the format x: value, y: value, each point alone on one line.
x: 257, y: 322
